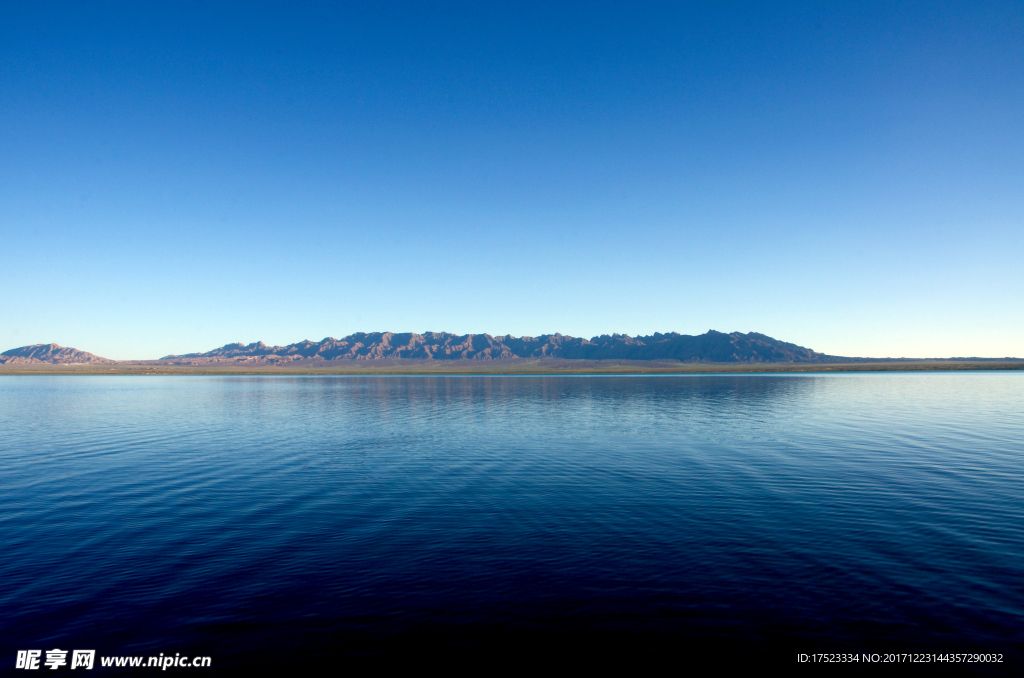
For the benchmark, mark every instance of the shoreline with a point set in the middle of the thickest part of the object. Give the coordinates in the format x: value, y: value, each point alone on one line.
x: 502, y: 367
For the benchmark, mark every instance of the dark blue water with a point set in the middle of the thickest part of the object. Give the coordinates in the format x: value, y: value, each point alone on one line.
x: 263, y: 520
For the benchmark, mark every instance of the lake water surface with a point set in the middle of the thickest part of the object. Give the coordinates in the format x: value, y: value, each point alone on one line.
x: 278, y: 519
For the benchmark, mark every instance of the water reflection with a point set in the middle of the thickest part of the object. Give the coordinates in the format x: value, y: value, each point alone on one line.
x: 251, y: 517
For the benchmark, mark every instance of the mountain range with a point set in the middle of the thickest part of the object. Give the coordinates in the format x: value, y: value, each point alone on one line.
x: 716, y: 347
x: 711, y: 347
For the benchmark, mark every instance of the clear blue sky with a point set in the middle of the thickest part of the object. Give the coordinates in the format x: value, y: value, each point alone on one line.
x: 846, y: 178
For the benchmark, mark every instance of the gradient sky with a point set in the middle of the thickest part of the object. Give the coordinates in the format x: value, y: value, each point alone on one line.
x: 175, y: 178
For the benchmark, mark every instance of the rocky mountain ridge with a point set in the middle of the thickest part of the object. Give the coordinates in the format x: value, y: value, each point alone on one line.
x: 717, y: 347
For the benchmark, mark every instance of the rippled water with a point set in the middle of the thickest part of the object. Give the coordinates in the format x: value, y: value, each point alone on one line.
x: 275, y: 519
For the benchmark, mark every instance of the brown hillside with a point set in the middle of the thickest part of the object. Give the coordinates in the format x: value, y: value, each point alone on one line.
x: 52, y: 354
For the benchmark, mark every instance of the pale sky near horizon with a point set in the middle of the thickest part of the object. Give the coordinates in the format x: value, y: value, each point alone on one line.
x: 847, y: 178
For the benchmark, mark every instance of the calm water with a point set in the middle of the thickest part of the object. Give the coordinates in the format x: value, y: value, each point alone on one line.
x: 274, y: 519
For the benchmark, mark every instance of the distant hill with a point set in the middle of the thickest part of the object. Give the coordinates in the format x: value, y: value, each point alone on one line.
x: 50, y: 353
x: 715, y: 347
